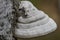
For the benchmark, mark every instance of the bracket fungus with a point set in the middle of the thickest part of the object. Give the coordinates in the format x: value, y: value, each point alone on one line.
x: 37, y: 23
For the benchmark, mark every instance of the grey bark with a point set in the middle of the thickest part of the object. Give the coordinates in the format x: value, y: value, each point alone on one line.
x: 9, y: 13
x: 5, y: 25
x: 6, y: 19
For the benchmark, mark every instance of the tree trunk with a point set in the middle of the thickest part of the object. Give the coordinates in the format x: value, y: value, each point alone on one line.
x: 7, y: 18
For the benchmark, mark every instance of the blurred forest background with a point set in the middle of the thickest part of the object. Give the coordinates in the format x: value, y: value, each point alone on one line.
x: 51, y: 8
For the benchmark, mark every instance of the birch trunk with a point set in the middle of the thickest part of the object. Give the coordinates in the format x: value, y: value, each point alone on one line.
x: 6, y: 18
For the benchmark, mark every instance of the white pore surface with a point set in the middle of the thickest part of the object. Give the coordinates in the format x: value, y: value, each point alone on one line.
x: 37, y: 24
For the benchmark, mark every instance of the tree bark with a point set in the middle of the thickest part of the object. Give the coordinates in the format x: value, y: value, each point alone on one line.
x: 7, y: 18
